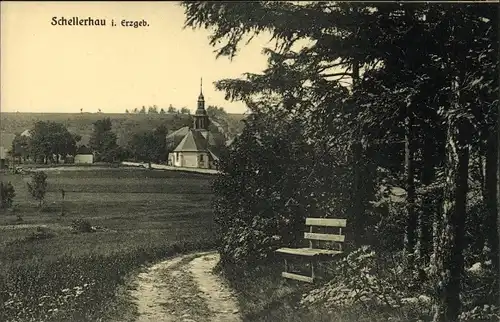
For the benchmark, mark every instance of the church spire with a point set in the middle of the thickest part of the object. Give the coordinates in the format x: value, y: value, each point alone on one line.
x: 201, y: 120
x: 201, y: 98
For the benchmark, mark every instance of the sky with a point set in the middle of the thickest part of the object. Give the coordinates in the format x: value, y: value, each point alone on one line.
x: 62, y: 69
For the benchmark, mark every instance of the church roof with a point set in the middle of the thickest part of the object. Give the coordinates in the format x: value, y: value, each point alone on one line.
x: 174, y: 138
x: 192, y: 142
x: 213, y: 155
x: 180, y: 132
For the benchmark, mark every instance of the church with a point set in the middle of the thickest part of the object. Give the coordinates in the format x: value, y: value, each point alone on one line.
x: 195, y: 147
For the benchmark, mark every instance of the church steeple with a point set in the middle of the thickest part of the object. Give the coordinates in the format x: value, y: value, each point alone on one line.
x: 201, y: 117
x: 201, y: 98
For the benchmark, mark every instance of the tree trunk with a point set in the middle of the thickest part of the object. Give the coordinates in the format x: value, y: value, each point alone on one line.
x: 490, y: 194
x: 428, y: 212
x: 411, y: 224
x: 358, y: 165
x: 450, y: 260
x: 498, y: 162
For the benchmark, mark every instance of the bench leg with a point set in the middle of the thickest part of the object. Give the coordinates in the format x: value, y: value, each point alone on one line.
x: 312, y: 269
x: 286, y: 265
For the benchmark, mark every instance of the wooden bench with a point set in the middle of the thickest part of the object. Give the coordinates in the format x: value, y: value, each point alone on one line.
x: 311, y: 253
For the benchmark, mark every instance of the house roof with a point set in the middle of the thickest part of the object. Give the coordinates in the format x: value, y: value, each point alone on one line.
x: 192, y: 142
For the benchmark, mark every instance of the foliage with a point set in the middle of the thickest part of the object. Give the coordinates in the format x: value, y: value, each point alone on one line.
x: 49, y: 140
x: 149, y: 146
x: 38, y: 186
x: 403, y: 88
x: 124, y: 125
x: 103, y: 141
x: 41, y: 233
x: 171, y: 109
x: 153, y: 109
x: 479, y: 293
x: 7, y: 194
x: 20, y: 146
x: 185, y: 110
x: 81, y: 226
x: 376, y: 283
x: 263, y: 194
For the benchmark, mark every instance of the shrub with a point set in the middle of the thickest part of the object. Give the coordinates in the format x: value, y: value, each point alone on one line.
x: 480, y: 293
x: 7, y: 194
x: 40, y: 234
x: 363, y: 279
x: 38, y: 186
x: 81, y: 226
x: 266, y: 189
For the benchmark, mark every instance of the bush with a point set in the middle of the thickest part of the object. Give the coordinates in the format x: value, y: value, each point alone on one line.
x: 7, y: 194
x: 272, y: 178
x: 81, y: 226
x: 365, y: 280
x: 38, y: 186
x: 40, y: 234
x: 480, y: 293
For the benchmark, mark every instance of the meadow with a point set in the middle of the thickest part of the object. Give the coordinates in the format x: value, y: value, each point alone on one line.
x: 49, y: 272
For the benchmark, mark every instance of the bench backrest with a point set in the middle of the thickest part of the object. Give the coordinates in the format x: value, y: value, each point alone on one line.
x: 325, y: 223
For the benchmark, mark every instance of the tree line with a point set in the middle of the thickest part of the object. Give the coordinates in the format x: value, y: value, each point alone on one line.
x: 381, y: 96
x: 154, y: 110
x: 51, y: 142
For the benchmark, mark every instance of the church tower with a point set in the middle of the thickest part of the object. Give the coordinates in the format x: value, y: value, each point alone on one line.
x: 201, y: 120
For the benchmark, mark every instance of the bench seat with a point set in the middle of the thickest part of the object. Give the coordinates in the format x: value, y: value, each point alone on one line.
x: 311, y: 252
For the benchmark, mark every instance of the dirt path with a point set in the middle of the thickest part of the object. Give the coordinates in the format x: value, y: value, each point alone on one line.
x: 183, y: 289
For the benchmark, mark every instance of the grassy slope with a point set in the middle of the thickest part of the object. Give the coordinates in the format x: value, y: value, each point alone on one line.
x: 81, y: 123
x: 150, y: 215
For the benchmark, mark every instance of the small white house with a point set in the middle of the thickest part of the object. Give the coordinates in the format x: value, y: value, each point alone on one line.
x: 84, y: 156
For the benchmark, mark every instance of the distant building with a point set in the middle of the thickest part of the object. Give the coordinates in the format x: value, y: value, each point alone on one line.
x: 195, y: 147
x: 84, y: 155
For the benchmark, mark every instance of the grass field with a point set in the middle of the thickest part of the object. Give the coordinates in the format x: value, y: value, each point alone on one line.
x: 49, y: 273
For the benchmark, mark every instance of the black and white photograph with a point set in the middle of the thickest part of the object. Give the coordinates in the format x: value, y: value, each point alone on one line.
x: 249, y: 161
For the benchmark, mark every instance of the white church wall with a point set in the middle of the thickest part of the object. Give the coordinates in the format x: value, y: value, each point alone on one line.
x: 189, y: 159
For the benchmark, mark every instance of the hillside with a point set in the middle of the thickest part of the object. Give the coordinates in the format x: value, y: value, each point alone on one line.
x: 124, y: 125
